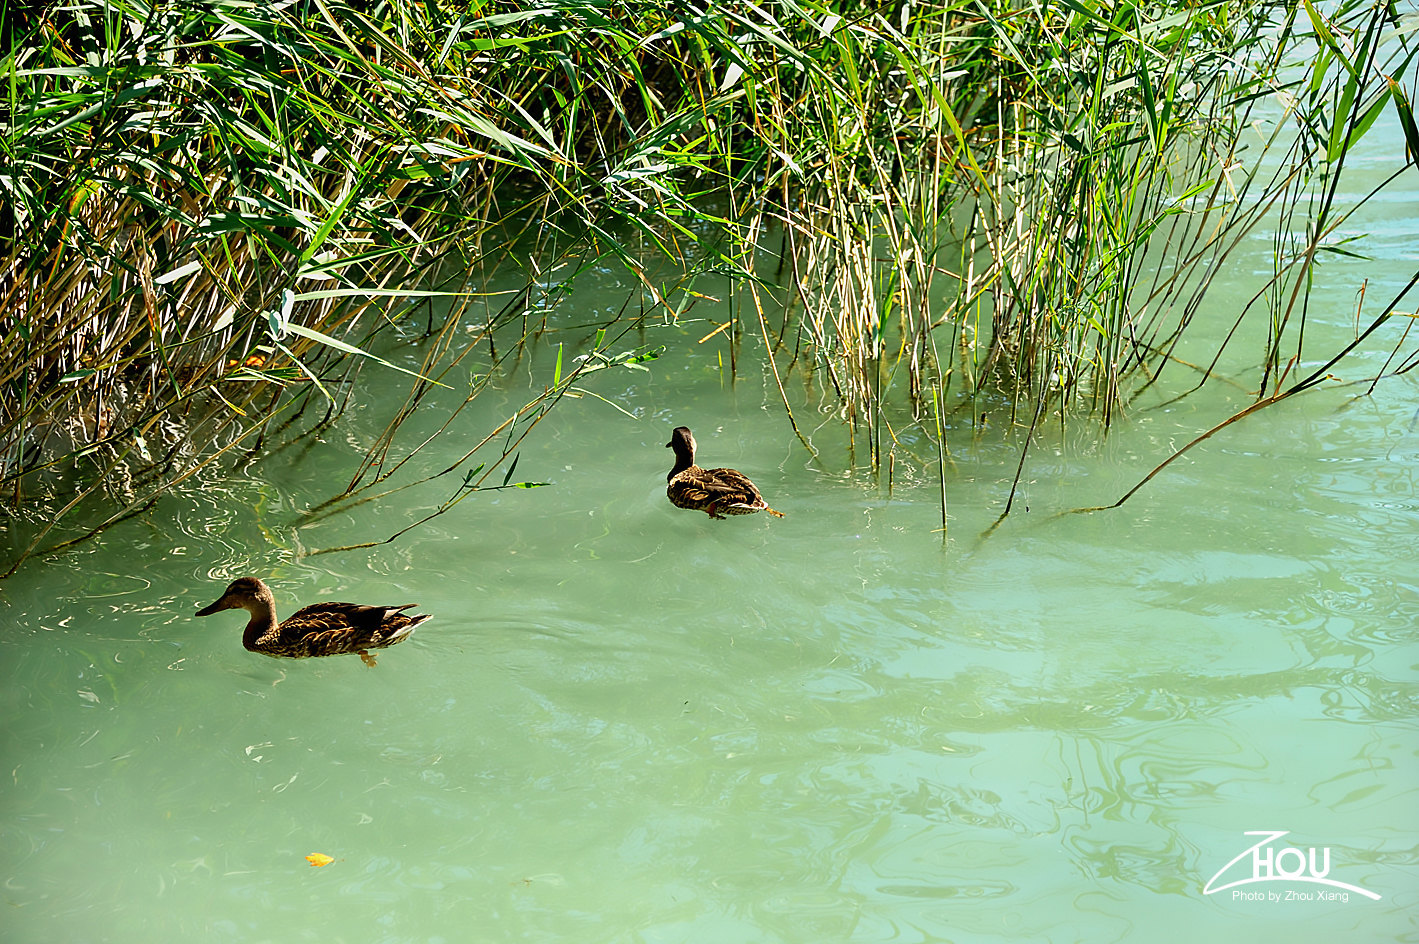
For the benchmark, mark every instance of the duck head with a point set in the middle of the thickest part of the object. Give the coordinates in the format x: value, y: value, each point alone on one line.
x: 245, y: 593
x: 683, y: 443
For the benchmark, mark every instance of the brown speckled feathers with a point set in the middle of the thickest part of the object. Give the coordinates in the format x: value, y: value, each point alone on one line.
x: 322, y: 629
x: 716, y: 492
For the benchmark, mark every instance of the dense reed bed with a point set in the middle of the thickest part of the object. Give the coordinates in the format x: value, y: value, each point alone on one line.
x: 221, y: 212
x: 218, y: 209
x: 1037, y: 200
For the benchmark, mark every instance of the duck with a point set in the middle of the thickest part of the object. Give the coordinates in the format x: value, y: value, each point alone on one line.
x: 716, y: 492
x: 321, y: 629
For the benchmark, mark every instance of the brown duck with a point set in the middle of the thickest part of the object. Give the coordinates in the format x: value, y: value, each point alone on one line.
x: 322, y: 629
x: 716, y: 492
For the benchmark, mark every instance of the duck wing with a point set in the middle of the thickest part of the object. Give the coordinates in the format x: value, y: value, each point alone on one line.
x: 731, y: 485
x: 700, y: 489
x: 717, y: 492
x: 329, y: 628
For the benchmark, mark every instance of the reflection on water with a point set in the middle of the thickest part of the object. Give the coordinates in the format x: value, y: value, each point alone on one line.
x: 628, y: 722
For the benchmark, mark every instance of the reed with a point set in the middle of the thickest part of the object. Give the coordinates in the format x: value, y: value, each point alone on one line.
x: 222, y: 212
x: 203, y: 239
x: 1043, y: 195
x: 218, y: 210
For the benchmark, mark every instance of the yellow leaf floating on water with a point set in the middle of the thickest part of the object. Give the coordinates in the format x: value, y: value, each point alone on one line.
x: 317, y: 859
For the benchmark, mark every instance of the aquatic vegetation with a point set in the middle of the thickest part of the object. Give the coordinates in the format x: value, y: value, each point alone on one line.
x: 1030, y: 204
x: 224, y: 213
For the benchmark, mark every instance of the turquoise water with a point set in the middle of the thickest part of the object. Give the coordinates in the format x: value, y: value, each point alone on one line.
x: 628, y: 722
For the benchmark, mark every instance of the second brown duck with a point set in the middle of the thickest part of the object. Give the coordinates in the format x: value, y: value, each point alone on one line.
x: 716, y: 492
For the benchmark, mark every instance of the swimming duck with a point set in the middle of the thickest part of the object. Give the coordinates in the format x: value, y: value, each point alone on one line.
x: 322, y: 629
x: 716, y: 492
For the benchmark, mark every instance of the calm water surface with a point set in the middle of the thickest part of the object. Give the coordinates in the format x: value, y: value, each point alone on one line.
x: 630, y: 723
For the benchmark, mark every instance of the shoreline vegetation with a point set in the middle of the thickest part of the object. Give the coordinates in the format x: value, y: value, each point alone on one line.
x: 220, y: 213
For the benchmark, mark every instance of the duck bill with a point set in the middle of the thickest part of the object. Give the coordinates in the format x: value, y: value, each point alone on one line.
x: 215, y: 607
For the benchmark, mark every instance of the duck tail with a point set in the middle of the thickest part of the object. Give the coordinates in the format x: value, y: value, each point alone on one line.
x: 414, y: 620
x: 402, y: 632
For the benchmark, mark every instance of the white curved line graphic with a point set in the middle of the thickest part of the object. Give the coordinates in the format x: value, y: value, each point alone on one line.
x: 1271, y: 836
x: 1299, y: 878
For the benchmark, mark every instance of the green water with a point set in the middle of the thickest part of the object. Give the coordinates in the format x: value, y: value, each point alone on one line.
x: 630, y: 723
